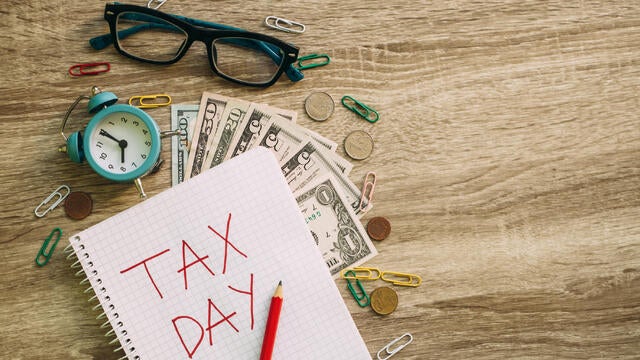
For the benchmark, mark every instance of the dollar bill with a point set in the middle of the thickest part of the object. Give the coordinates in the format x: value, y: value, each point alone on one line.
x: 334, y: 226
x: 282, y: 139
x: 212, y: 106
x: 183, y: 119
x: 331, y: 145
x: 309, y: 163
x: 232, y: 120
x: 257, y: 122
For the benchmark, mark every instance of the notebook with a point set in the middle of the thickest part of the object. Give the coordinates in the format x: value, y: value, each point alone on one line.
x: 190, y: 272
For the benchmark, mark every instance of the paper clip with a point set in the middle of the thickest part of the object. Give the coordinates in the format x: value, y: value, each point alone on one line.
x: 366, y: 199
x: 361, y: 109
x: 361, y: 273
x: 388, y: 352
x: 361, y: 297
x: 401, y: 279
x: 284, y: 24
x: 160, y: 2
x: 312, y: 64
x: 89, y: 69
x: 44, y: 255
x: 55, y: 203
x: 139, y: 101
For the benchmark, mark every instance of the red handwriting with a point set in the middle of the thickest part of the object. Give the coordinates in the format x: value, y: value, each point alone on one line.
x: 189, y: 330
x: 185, y: 266
x: 224, y: 319
x: 226, y: 244
x: 186, y: 348
x: 250, y: 293
x: 144, y: 262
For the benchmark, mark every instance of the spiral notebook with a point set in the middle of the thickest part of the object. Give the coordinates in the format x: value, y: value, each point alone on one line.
x: 189, y: 273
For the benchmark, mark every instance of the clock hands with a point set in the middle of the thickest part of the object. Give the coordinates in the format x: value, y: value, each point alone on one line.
x: 121, y: 143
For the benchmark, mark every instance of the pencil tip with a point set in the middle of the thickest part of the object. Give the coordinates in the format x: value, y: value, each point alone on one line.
x: 280, y: 283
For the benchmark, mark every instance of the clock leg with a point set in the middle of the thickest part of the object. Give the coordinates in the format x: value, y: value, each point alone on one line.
x: 138, y: 183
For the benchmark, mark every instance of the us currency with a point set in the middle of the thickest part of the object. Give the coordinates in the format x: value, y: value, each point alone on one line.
x: 308, y: 164
x: 334, y: 226
x: 331, y: 145
x: 211, y: 109
x: 232, y: 119
x: 254, y: 128
x: 282, y: 139
x: 183, y: 118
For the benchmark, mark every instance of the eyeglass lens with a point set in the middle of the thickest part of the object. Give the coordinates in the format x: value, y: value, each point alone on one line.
x: 151, y: 38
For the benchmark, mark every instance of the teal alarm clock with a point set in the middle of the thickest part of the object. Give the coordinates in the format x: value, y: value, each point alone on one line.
x: 120, y: 142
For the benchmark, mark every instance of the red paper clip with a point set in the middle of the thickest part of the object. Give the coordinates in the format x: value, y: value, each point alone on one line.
x: 89, y: 69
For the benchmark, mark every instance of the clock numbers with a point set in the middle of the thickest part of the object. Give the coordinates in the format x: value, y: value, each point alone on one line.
x: 121, y: 144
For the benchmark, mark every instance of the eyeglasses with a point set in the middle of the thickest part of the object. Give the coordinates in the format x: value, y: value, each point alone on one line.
x: 237, y: 55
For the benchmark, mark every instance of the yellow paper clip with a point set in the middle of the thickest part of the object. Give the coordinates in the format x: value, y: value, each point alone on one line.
x: 366, y: 199
x: 401, y: 279
x: 361, y: 273
x: 61, y: 195
x: 387, y: 351
x: 139, y: 101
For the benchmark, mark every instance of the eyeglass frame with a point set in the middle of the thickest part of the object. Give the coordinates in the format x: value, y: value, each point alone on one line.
x: 206, y: 32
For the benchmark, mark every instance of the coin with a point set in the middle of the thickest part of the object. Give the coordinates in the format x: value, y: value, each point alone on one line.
x: 378, y: 228
x: 319, y: 106
x: 78, y: 205
x: 384, y: 300
x: 358, y: 145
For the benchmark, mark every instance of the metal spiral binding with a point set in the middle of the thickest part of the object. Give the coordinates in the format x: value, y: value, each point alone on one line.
x: 100, y: 292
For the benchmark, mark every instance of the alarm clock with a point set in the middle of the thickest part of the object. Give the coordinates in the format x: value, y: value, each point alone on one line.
x: 120, y: 142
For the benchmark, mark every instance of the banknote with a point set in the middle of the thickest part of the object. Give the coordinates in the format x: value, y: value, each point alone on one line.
x: 331, y: 145
x: 309, y: 163
x: 212, y: 106
x: 334, y: 226
x: 232, y: 119
x: 282, y: 139
x: 253, y: 129
x: 183, y: 119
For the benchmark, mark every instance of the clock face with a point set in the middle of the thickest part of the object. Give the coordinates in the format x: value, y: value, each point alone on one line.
x: 121, y: 145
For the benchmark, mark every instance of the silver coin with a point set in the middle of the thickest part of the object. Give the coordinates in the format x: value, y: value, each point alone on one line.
x: 319, y: 106
x: 358, y: 145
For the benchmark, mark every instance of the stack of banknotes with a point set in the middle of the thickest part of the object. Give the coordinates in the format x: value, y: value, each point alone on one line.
x: 223, y: 127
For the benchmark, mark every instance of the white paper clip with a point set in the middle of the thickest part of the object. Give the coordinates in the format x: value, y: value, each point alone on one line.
x: 366, y: 199
x: 160, y: 2
x: 389, y: 353
x: 284, y: 24
x: 61, y: 196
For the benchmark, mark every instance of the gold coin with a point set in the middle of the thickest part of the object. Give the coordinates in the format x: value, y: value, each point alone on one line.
x: 319, y: 106
x: 358, y: 145
x: 384, y: 300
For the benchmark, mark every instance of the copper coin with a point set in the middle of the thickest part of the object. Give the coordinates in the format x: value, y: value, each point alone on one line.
x: 384, y: 300
x: 358, y: 145
x: 319, y: 106
x: 378, y: 228
x: 78, y: 205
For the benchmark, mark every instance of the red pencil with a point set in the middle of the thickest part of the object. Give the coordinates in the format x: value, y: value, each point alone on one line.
x: 272, y: 324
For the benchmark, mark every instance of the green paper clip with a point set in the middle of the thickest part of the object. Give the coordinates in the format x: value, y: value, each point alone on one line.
x: 358, y: 296
x: 312, y: 64
x: 361, y: 109
x: 44, y: 255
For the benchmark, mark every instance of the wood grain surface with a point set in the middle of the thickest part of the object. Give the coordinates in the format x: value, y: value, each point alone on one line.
x: 507, y: 157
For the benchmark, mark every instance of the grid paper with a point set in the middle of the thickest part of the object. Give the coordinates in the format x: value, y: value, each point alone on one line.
x: 153, y: 314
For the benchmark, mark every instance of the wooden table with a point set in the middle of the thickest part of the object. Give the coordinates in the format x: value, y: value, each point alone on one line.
x: 507, y: 157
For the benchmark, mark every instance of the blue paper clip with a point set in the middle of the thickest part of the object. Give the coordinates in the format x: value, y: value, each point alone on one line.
x: 361, y: 298
x: 45, y: 251
x: 361, y: 109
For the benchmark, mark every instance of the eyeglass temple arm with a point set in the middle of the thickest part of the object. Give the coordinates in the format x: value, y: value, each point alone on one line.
x: 102, y: 41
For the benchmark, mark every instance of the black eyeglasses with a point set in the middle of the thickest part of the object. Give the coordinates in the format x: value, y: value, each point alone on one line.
x: 237, y: 55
